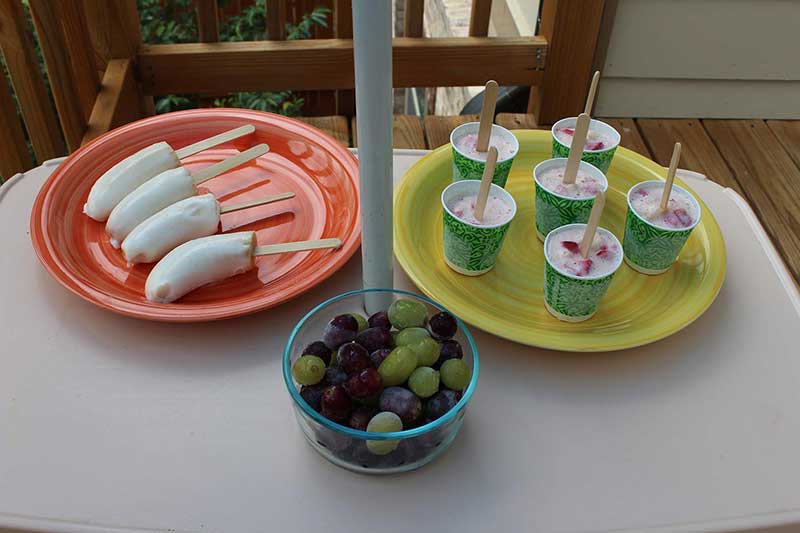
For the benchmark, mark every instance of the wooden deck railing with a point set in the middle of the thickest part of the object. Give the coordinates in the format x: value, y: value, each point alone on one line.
x: 102, y: 76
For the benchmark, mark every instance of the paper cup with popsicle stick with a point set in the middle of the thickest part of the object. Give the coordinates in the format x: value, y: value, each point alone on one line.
x: 470, y: 144
x: 477, y: 215
x: 602, y: 139
x: 660, y: 218
x: 565, y: 189
x: 599, y: 148
x: 580, y: 262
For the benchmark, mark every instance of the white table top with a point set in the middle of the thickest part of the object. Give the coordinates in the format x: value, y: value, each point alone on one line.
x: 109, y: 423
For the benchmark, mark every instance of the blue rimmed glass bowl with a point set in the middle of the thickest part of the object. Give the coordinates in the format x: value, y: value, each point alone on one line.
x: 346, y: 447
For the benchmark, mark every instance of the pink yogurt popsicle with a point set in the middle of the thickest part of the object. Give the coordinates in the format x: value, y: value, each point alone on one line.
x: 467, y: 145
x: 594, y: 140
x: 496, y: 211
x: 585, y: 186
x: 564, y: 253
x: 680, y: 212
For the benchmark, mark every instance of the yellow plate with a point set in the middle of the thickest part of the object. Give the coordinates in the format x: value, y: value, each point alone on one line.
x: 508, y: 301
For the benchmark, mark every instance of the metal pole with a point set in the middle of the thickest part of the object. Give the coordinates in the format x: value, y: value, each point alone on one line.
x: 372, y: 40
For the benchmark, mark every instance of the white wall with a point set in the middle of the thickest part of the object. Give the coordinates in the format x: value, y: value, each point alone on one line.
x: 702, y: 58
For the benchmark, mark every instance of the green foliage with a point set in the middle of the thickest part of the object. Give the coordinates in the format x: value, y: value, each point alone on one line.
x: 249, y: 25
x: 177, y: 23
x: 318, y: 17
x: 172, y: 23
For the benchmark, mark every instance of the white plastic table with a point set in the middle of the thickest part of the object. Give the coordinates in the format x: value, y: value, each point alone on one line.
x: 113, y: 424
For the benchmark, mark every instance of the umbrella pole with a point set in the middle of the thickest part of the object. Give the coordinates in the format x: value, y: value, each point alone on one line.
x: 372, y: 40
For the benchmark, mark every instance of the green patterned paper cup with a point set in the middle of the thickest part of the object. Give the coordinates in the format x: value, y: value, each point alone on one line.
x: 571, y: 298
x: 554, y: 210
x: 470, y: 249
x: 466, y: 167
x: 599, y: 158
x: 652, y: 249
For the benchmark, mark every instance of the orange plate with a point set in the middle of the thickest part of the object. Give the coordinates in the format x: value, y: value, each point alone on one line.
x: 322, y: 173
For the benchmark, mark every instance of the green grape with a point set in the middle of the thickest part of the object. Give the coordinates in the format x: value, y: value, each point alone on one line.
x: 362, y: 322
x: 411, y: 336
x: 407, y: 314
x: 397, y: 366
x: 424, y: 382
x: 384, y: 422
x: 455, y: 374
x: 427, y: 351
x: 308, y: 370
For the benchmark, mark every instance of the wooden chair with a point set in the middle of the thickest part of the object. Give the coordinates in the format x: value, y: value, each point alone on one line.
x: 102, y: 76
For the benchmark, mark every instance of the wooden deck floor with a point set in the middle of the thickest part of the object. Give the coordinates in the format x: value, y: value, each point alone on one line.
x: 760, y: 159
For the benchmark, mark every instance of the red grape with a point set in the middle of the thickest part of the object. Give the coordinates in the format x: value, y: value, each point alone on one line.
x: 353, y: 358
x: 401, y: 402
x: 442, y: 326
x: 360, y: 417
x: 380, y: 320
x: 449, y: 349
x: 319, y: 349
x: 363, y: 384
x: 336, y: 404
x: 374, y: 339
x: 340, y: 330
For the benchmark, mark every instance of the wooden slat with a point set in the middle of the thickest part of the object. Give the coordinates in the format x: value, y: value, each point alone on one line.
x: 23, y: 67
x: 76, y: 34
x: 438, y: 128
x: 115, y: 34
x: 328, y: 64
x: 406, y: 132
x: 413, y: 19
x: 343, y: 25
x: 788, y: 132
x: 117, y: 102
x: 276, y: 20
x: 335, y: 126
x: 315, y: 103
x: 698, y: 151
x: 479, y: 18
x: 517, y: 121
x: 113, y: 28
x: 47, y: 18
x: 207, y: 20
x: 14, y: 156
x: 343, y: 19
x: 571, y: 27
x: 631, y: 138
x: 768, y: 177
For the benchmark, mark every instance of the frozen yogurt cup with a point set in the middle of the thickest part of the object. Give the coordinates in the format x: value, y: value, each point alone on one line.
x: 471, y: 247
x: 468, y: 163
x: 654, y: 239
x: 574, y: 286
x: 601, y: 142
x: 558, y: 205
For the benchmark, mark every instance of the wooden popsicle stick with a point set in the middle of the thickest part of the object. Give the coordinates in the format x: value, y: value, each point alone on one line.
x: 592, y: 92
x: 229, y: 164
x: 591, y: 226
x: 673, y: 167
x: 487, y: 116
x: 486, y: 183
x: 261, y: 201
x: 576, y: 149
x: 299, y: 246
x: 216, y: 140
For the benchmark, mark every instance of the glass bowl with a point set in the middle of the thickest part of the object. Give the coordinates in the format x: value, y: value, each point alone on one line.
x: 346, y: 447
